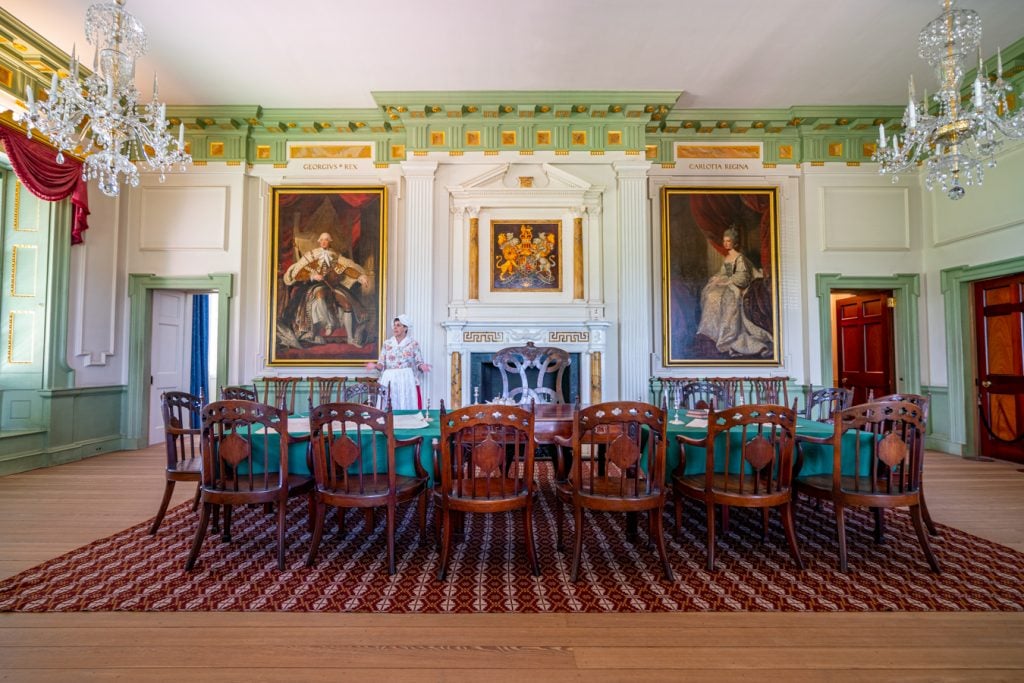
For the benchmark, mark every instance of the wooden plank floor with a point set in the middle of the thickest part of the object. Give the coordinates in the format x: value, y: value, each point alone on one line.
x: 46, y: 512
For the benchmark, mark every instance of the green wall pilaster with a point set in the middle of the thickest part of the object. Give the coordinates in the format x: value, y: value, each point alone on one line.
x: 906, y: 289
x: 56, y: 372
x: 961, y: 346
x: 140, y: 287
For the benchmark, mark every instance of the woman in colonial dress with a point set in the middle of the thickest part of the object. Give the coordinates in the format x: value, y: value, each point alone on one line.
x: 722, y: 318
x: 399, y: 358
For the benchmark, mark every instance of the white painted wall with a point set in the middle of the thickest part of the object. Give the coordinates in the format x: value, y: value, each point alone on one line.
x: 833, y: 219
x: 96, y: 319
x: 987, y: 225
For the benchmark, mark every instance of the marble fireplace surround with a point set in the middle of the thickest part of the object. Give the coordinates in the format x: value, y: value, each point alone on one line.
x: 586, y: 338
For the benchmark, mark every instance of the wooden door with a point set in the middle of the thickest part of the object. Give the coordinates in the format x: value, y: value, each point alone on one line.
x: 864, y: 344
x: 169, y: 364
x: 998, y: 316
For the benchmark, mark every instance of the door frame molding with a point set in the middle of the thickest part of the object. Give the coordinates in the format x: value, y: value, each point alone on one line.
x: 961, y: 345
x: 906, y: 289
x: 140, y: 286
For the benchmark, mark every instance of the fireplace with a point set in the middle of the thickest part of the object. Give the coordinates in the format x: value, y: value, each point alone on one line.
x: 484, y: 375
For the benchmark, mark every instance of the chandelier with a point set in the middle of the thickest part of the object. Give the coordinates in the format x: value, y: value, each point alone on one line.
x: 101, y: 115
x: 960, y: 137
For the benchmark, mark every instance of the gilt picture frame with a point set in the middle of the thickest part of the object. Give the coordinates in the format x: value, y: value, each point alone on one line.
x: 327, y: 271
x: 720, y: 276
x: 526, y: 256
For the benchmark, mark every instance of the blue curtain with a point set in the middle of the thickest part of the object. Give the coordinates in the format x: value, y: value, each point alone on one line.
x: 200, y: 349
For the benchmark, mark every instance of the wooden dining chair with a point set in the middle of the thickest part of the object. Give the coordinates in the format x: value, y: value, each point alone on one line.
x: 823, y: 403
x: 245, y: 461
x: 354, y: 467
x: 280, y: 392
x: 485, y: 466
x: 882, y: 447
x: 325, y: 390
x: 181, y: 437
x: 629, y: 476
x: 365, y: 390
x: 925, y: 403
x: 241, y: 392
x: 767, y: 390
x: 748, y: 462
x: 700, y: 395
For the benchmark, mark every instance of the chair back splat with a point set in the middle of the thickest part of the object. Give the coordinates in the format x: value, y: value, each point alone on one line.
x: 544, y: 365
x: 242, y: 392
x: 823, y: 403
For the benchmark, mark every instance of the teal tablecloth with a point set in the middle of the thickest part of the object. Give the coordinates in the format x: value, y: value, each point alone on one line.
x: 817, y: 458
x: 297, y: 450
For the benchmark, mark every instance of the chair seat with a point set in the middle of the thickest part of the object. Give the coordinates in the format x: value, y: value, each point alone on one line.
x: 296, y: 483
x: 720, y: 484
x: 488, y: 488
x: 188, y: 469
x: 849, y: 485
x: 377, y: 487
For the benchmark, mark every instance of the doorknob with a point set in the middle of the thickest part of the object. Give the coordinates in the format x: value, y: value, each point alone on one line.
x: 986, y: 384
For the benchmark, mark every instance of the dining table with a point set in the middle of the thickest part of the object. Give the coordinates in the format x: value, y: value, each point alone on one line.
x: 817, y: 458
x: 553, y: 419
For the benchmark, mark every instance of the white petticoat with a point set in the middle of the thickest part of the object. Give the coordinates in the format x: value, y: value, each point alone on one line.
x: 401, y: 383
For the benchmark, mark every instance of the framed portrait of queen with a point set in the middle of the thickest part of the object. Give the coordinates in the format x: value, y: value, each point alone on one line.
x: 720, y: 276
x: 327, y: 272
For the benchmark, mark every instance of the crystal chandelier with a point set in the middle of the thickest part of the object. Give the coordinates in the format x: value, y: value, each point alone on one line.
x: 960, y: 138
x: 101, y: 114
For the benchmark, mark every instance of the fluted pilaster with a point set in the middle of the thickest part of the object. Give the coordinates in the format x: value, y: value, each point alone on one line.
x: 417, y: 246
x: 635, y: 280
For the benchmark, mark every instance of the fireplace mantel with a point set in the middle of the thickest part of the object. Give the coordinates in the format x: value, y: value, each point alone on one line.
x: 588, y: 338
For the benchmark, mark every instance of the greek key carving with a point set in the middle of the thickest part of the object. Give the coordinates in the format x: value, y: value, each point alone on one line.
x: 482, y: 336
x: 568, y: 337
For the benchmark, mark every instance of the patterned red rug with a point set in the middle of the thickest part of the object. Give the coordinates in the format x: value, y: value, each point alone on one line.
x: 134, y: 571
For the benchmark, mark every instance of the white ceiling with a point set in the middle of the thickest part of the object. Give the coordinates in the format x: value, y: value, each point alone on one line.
x: 720, y: 53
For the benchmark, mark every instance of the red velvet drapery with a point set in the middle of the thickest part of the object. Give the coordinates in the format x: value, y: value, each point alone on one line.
x: 714, y: 213
x: 36, y: 166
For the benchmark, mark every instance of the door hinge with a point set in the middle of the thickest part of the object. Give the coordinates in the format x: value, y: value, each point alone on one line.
x: 151, y: 380
x: 891, y: 302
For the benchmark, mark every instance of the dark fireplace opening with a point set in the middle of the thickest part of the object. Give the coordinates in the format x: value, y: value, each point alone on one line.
x: 483, y: 374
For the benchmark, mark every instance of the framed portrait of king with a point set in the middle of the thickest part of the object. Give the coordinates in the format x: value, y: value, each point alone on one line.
x: 328, y: 253
x: 720, y: 276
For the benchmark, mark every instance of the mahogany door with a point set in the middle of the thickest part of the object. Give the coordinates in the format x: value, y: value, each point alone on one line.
x: 998, y: 316
x: 864, y: 344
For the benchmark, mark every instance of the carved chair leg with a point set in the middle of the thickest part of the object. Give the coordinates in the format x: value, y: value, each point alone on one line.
x: 531, y: 546
x: 318, y: 530
x: 168, y: 491
x: 711, y: 535
x: 841, y: 531
x: 197, y: 543
x: 391, y: 513
x: 282, y: 525
x: 655, y: 525
x: 226, y: 534
x: 922, y: 537
x: 577, y: 550
x: 789, y: 526
x: 927, y: 517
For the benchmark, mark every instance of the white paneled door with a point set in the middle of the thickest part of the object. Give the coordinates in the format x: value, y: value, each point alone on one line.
x: 169, y: 365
